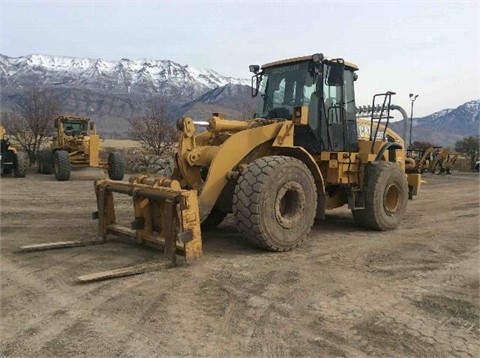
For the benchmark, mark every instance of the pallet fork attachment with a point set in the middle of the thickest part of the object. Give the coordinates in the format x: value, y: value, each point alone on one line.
x: 165, y: 216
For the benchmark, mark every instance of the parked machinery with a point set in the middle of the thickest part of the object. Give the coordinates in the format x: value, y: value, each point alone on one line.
x: 276, y: 173
x: 12, y: 160
x: 419, y: 160
x: 443, y: 160
x: 77, y: 145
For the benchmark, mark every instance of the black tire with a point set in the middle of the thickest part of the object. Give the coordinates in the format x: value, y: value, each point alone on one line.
x: 116, y: 166
x: 386, y: 196
x: 61, y: 165
x: 47, y: 162
x: 40, y: 159
x: 213, y: 219
x: 19, y: 165
x: 275, y: 202
x: 7, y: 170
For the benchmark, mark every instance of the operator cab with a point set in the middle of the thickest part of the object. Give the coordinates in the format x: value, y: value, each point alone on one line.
x: 321, y: 85
x: 74, y: 126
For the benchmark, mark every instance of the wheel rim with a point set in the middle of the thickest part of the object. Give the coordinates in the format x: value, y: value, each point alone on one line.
x: 391, y: 199
x: 289, y: 204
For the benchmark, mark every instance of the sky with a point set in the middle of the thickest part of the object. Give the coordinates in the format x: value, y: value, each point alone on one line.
x: 429, y: 48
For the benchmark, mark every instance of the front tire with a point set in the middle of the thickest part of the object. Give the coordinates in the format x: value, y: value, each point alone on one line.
x: 45, y: 162
x: 386, y: 196
x: 61, y: 164
x: 116, y: 166
x: 274, y: 203
x: 19, y: 165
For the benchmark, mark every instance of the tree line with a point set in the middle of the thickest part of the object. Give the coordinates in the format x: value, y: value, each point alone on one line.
x: 32, y: 126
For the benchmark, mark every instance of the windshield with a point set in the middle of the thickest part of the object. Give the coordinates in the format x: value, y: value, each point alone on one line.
x: 75, y: 127
x: 284, y: 87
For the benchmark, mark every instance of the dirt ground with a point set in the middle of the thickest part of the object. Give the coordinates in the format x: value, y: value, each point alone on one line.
x: 412, y: 292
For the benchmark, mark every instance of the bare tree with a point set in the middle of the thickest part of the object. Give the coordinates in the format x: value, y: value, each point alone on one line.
x: 421, y: 145
x: 33, y: 124
x: 154, y: 130
x: 470, y: 148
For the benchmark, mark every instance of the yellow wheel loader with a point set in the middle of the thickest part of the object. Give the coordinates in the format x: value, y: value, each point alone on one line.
x: 77, y: 145
x: 443, y: 160
x: 303, y: 153
x: 419, y: 160
x: 12, y: 160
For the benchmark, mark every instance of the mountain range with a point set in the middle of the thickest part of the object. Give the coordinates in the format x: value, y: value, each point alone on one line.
x: 445, y: 127
x: 111, y: 92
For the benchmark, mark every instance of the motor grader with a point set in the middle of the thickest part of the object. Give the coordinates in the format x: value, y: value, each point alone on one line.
x: 77, y: 145
x: 12, y: 160
x: 301, y: 154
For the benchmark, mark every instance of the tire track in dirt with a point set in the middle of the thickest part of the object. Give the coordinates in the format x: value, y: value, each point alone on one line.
x: 66, y: 312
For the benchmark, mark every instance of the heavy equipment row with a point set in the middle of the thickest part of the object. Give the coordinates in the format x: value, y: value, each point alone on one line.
x: 303, y: 153
x: 436, y: 160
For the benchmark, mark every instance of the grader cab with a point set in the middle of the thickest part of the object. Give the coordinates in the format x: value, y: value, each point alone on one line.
x: 300, y: 155
x: 77, y: 145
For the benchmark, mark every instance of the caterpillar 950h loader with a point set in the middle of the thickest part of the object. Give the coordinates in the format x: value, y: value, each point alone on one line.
x: 77, y: 145
x: 301, y: 155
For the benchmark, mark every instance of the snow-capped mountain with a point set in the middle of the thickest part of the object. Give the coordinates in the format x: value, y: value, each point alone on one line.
x: 111, y: 92
x: 146, y: 76
x: 445, y: 127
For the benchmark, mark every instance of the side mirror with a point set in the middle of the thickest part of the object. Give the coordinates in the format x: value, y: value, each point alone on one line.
x: 334, y: 75
x: 255, y: 84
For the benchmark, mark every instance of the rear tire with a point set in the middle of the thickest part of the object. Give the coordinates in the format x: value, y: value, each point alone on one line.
x: 116, y: 166
x: 40, y: 156
x: 19, y: 165
x: 7, y: 170
x: 61, y: 163
x: 386, y: 196
x: 47, y: 162
x: 275, y: 202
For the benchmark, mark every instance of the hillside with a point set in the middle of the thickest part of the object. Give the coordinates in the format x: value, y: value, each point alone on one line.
x: 111, y: 92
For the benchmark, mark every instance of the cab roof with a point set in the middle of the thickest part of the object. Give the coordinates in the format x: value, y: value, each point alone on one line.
x: 306, y: 58
x: 69, y: 117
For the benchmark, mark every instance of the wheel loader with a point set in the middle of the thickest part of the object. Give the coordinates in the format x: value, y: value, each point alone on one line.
x: 302, y: 153
x: 12, y: 160
x: 77, y: 145
x: 419, y: 160
x: 443, y: 160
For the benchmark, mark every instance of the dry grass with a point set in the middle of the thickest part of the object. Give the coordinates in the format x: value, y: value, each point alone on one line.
x: 119, y: 143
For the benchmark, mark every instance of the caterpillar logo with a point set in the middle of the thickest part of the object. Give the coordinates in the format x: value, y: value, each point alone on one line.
x: 363, y: 130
